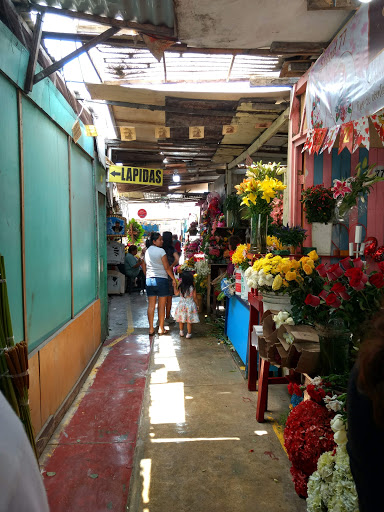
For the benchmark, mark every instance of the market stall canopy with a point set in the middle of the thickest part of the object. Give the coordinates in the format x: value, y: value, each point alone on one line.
x: 195, y: 160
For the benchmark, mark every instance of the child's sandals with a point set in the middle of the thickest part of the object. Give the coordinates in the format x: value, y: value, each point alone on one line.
x: 182, y: 333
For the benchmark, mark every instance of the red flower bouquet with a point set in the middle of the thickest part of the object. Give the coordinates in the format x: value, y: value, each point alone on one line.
x: 307, y: 435
x: 344, y: 291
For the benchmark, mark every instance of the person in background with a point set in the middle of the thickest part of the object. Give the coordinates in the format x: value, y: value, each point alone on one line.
x: 365, y: 407
x: 233, y: 242
x: 176, y: 244
x: 156, y: 269
x: 186, y: 311
x: 173, y: 260
x: 132, y: 266
x: 21, y: 485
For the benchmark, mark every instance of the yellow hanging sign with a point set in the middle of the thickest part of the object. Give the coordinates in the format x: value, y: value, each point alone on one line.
x: 135, y: 175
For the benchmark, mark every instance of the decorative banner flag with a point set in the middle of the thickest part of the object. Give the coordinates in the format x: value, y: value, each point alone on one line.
x: 330, y: 139
x: 248, y: 160
x: 196, y: 132
x: 157, y: 46
x: 76, y: 130
x: 90, y: 130
x: 318, y: 139
x: 162, y: 132
x: 378, y: 122
x: 360, y: 133
x: 229, y: 129
x: 346, y: 137
x: 309, y: 142
x: 128, y: 132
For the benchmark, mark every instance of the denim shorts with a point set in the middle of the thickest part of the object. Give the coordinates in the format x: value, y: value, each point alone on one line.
x: 157, y: 286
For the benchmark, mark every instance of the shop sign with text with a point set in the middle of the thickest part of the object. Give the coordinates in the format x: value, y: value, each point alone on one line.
x: 135, y: 175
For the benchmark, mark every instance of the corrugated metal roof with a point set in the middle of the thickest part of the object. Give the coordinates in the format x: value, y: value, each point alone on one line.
x: 154, y: 12
x: 132, y: 66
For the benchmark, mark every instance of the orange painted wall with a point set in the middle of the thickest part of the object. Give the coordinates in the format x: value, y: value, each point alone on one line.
x: 55, y: 369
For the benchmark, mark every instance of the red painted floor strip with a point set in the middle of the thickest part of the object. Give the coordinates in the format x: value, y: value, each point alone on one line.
x: 91, y: 465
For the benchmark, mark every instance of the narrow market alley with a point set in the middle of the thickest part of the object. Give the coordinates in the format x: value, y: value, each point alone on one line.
x: 167, y: 428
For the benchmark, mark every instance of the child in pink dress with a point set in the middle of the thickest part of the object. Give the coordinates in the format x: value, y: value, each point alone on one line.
x: 186, y: 311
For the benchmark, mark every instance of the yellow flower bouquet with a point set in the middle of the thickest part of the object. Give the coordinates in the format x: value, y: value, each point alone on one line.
x: 261, y: 185
x: 281, y: 275
x: 257, y: 191
x: 240, y: 256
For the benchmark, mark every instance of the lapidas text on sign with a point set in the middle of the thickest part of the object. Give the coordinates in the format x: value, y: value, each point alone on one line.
x: 135, y: 175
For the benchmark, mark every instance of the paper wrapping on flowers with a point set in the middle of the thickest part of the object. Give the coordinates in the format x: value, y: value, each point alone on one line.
x: 291, y: 346
x: 330, y: 139
x: 360, y: 133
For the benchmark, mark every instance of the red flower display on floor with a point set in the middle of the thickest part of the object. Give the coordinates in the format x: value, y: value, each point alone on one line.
x: 307, y: 435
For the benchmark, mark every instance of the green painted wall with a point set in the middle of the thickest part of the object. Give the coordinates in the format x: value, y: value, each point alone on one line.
x: 47, y: 119
x: 47, y: 239
x: 10, y: 236
x: 84, y: 248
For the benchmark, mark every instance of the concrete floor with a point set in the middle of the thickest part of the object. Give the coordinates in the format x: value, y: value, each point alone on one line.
x: 170, y: 428
x: 199, y: 447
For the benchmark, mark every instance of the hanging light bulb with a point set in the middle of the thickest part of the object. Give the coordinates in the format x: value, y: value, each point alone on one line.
x: 365, y: 1
x: 176, y: 177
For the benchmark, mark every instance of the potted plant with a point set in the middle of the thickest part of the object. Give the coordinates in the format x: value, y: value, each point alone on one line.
x: 319, y: 205
x: 290, y: 236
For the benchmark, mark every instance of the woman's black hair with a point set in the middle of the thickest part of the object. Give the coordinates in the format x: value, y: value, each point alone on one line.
x: 167, y: 240
x: 186, y: 282
x: 147, y: 243
x: 132, y: 248
x: 154, y: 236
x: 168, y: 246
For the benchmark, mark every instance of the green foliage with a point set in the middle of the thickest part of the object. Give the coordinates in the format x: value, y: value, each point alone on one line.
x: 294, y: 235
x: 135, y: 232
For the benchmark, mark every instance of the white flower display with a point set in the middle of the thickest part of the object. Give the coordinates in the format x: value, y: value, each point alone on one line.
x: 288, y: 338
x: 202, y: 268
x: 331, y: 487
x: 332, y: 404
x: 283, y: 317
x: 317, y: 381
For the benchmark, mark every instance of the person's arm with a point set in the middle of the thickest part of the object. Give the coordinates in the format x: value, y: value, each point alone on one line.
x: 176, y: 290
x: 194, y: 295
x: 176, y: 259
x: 144, y: 267
x: 167, y: 268
x: 139, y: 261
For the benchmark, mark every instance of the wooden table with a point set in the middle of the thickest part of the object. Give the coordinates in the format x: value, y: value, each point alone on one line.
x: 258, y: 372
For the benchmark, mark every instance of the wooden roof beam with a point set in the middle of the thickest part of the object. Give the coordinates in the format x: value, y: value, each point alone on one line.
x: 284, y: 49
x: 334, y: 5
x: 260, y: 141
x: 279, y: 47
x: 60, y: 63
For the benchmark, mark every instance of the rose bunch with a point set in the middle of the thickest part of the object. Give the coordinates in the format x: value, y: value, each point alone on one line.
x: 343, y: 290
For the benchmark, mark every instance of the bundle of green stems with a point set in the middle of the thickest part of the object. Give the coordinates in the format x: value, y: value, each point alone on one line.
x: 14, y: 378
